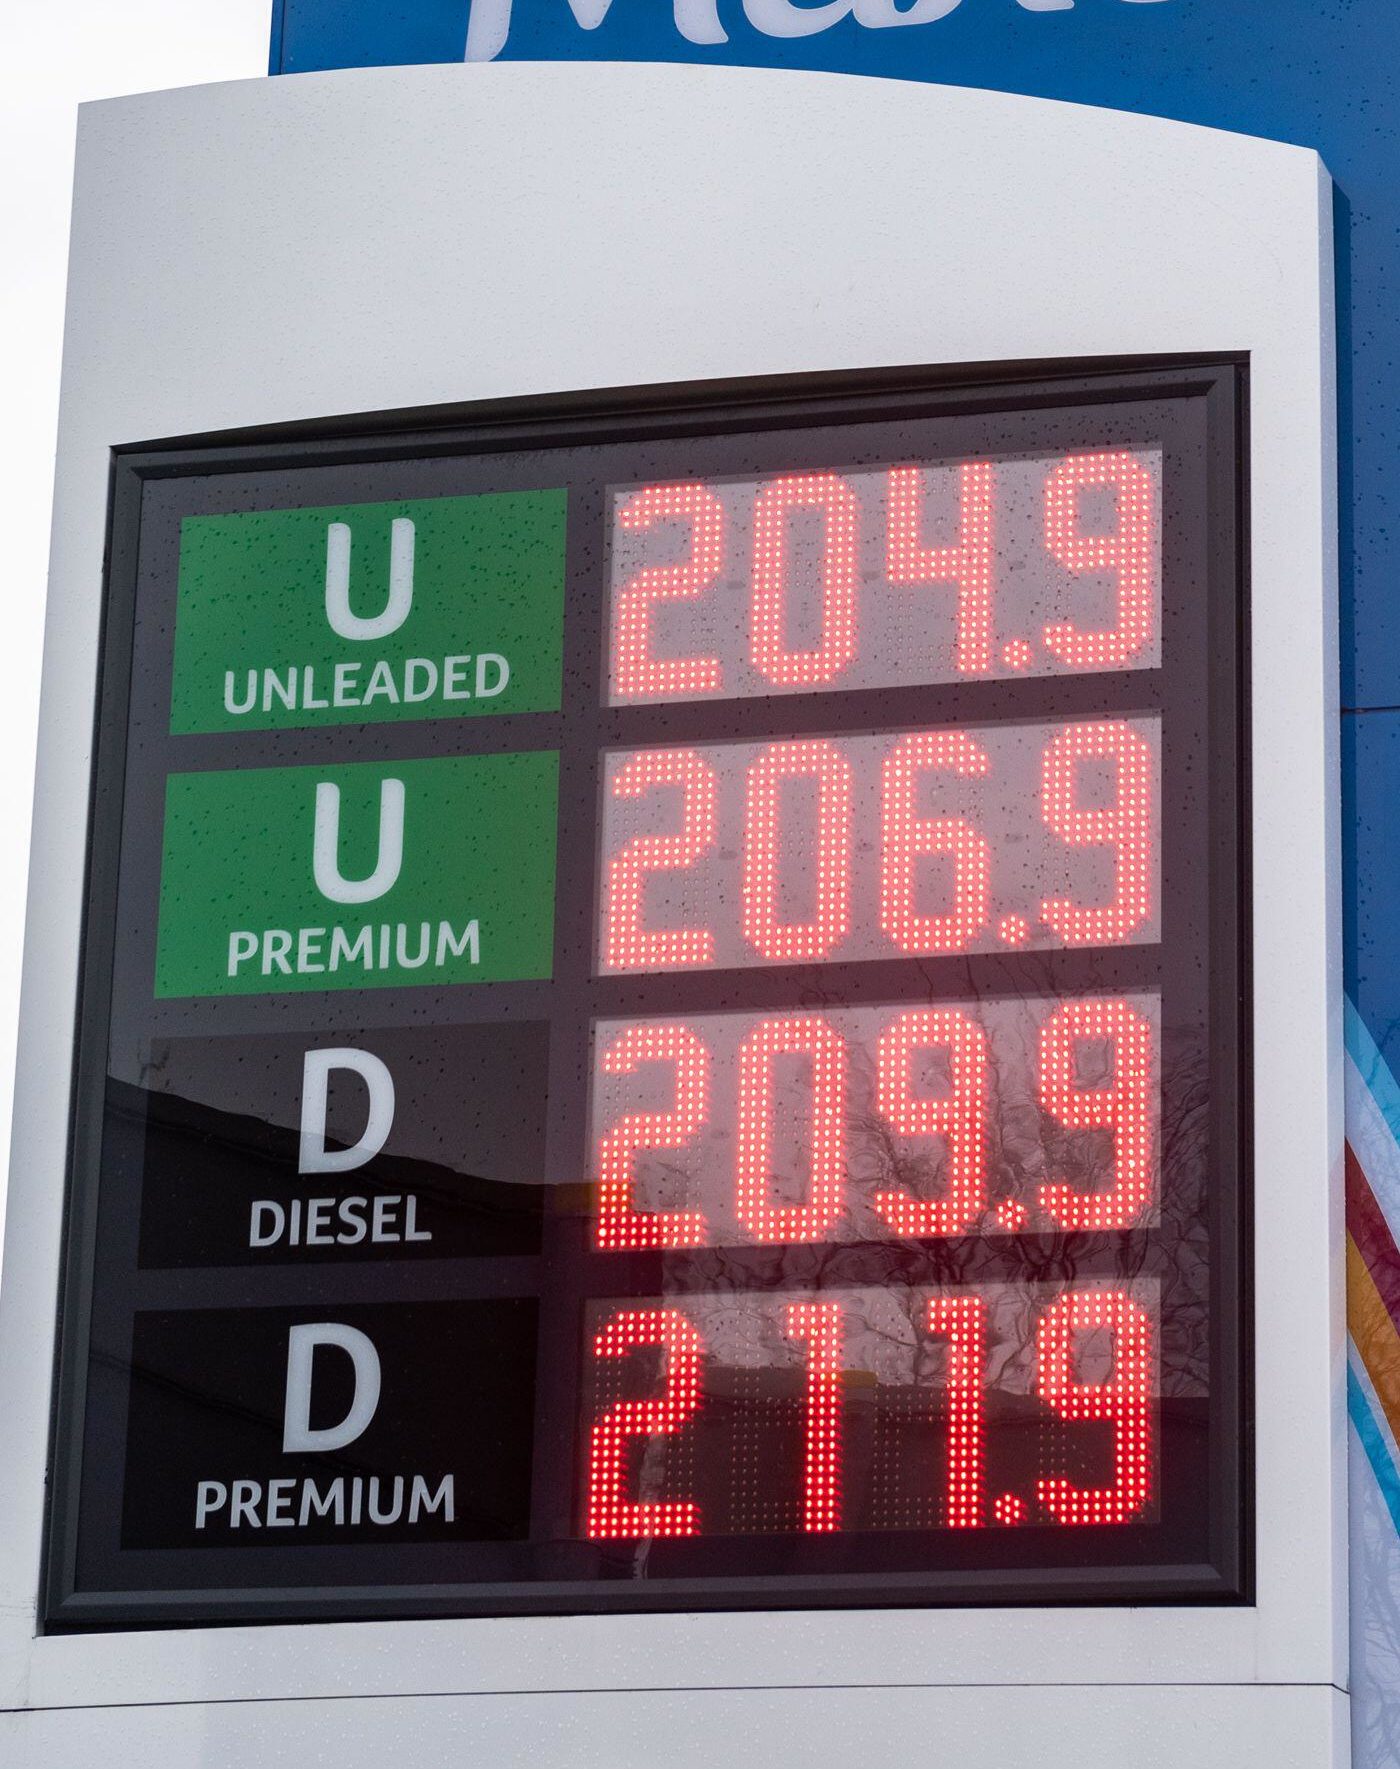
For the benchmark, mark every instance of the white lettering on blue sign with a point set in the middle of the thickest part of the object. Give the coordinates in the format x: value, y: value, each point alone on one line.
x: 697, y: 21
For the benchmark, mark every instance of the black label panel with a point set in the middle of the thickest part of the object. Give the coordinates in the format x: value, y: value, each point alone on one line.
x: 272, y: 1427
x: 386, y: 1144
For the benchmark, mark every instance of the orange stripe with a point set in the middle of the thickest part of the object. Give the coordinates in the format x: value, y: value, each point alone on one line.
x: 1374, y: 1334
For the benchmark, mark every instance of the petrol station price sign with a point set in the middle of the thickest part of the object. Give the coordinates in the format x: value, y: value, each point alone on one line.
x: 664, y: 1014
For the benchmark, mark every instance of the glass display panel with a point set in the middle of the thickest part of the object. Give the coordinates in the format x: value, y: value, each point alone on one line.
x: 665, y: 1015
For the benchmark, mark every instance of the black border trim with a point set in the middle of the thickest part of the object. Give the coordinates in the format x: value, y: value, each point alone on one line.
x: 611, y: 415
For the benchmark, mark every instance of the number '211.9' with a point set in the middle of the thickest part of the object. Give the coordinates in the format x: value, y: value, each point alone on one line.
x: 1122, y: 1399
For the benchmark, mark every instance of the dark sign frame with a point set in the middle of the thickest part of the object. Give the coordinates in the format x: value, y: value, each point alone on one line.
x: 152, y: 485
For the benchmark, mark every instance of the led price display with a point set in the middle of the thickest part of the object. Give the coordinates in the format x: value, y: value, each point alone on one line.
x: 877, y: 1123
x: 918, y: 842
x: 912, y: 573
x: 665, y: 1016
x: 874, y: 1409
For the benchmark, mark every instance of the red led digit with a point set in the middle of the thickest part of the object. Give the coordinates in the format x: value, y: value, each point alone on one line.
x: 627, y: 945
x: 788, y: 942
x: 1125, y: 1398
x: 963, y: 1319
x: 907, y: 837
x: 1124, y: 1107
x: 966, y: 563
x: 959, y: 1117
x: 840, y: 513
x: 820, y: 1324
x: 812, y: 1037
x: 1125, y: 826
x: 619, y: 1226
x: 1127, y: 555
x: 636, y: 673
x: 610, y: 1514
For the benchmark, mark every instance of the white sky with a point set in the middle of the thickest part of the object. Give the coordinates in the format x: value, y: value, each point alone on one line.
x: 59, y: 53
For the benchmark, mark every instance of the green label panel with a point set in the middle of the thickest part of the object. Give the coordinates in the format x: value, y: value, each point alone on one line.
x: 439, y: 608
x: 366, y: 875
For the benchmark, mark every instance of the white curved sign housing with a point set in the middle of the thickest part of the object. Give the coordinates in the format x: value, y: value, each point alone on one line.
x: 899, y: 542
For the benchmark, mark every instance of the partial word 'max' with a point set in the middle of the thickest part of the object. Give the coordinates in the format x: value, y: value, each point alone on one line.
x: 698, y: 21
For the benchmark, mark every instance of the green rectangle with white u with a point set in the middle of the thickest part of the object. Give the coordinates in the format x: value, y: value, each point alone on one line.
x: 364, y: 613
x: 360, y: 875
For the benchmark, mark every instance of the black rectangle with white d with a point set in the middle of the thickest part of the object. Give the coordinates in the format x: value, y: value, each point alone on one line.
x: 269, y: 1427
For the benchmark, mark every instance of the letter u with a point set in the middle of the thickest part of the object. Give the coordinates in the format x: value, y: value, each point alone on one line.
x: 390, y: 1516
x: 338, y: 611
x: 230, y: 699
x: 330, y: 880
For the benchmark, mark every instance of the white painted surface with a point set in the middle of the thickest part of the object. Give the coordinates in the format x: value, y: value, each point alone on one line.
x: 58, y: 56
x: 1165, y: 1728
x: 352, y: 242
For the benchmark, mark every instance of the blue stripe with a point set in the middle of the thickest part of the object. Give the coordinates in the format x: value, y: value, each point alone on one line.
x: 279, y: 22
x: 1372, y: 1441
x: 1372, y: 1066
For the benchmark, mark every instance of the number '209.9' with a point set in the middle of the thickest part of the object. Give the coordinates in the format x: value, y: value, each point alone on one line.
x: 1120, y: 1100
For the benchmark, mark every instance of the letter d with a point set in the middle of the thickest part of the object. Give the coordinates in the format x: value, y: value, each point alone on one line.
x: 313, y: 1155
x: 297, y: 1430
